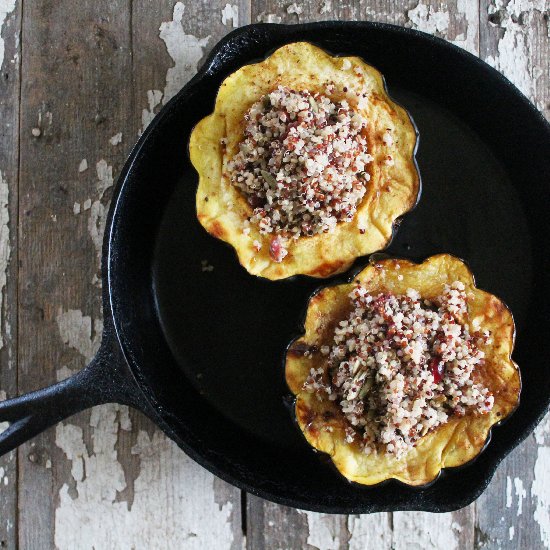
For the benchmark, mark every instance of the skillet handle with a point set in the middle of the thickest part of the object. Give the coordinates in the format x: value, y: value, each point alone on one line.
x: 106, y: 379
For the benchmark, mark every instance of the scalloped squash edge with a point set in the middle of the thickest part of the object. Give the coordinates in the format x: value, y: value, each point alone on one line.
x: 392, y: 191
x: 450, y: 445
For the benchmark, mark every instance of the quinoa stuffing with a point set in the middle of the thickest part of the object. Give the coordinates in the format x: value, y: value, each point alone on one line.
x: 400, y: 366
x: 302, y: 165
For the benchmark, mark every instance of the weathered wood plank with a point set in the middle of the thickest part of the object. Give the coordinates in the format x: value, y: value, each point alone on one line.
x: 458, y: 22
x: 113, y: 473
x: 515, y: 40
x: 10, y: 23
x: 514, y: 512
x: 170, y: 40
x: 72, y: 66
x: 272, y: 526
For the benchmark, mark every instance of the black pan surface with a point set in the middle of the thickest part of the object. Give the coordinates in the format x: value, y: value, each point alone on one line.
x: 207, y: 347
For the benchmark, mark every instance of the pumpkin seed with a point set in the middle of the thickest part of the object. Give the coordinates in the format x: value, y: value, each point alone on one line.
x: 269, y: 179
x: 366, y: 388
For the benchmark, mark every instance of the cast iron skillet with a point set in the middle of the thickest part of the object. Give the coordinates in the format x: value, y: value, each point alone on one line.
x: 201, y: 352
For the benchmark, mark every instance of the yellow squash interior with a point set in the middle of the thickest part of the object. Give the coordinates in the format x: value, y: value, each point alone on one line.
x: 392, y: 190
x: 451, y: 444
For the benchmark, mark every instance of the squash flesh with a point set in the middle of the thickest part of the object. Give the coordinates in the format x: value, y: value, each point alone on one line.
x: 392, y: 191
x: 451, y: 444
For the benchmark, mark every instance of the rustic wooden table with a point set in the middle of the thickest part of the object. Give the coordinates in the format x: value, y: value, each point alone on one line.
x: 79, y: 82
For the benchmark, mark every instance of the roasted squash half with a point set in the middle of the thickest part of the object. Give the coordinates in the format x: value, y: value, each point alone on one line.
x: 392, y: 191
x: 451, y: 444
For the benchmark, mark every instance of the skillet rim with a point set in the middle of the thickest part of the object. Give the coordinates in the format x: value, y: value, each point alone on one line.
x: 215, y: 62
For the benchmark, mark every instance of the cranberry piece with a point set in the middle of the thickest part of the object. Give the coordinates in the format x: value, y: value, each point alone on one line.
x: 256, y: 201
x: 437, y: 367
x: 276, y: 250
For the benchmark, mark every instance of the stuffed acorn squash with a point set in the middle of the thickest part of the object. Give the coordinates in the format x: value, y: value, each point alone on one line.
x: 305, y: 163
x: 403, y: 371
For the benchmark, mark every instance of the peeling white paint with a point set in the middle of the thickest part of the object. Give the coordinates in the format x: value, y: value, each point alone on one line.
x: 370, y: 531
x: 83, y: 166
x: 511, y: 533
x: 519, y: 7
x: 6, y: 7
x: 323, y: 529
x: 76, y: 208
x: 5, y: 248
x: 514, y: 58
x: 326, y: 7
x: 104, y: 177
x: 541, y: 494
x: 63, y: 373
x: 424, y: 531
x: 542, y: 431
x: 294, y: 8
x: 3, y: 425
x: 268, y: 18
x: 186, y: 518
x: 154, y: 97
x: 185, y: 50
x: 87, y: 204
x: 540, y: 489
x: 116, y: 139
x: 79, y: 332
x: 230, y: 13
x: 521, y: 493
x: 15, y: 59
x: 45, y: 126
x: 456, y: 527
x: 98, y: 210
x: 88, y: 471
x: 468, y: 11
x: 427, y: 19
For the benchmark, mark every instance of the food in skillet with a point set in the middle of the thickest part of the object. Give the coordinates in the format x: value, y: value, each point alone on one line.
x: 403, y: 371
x: 305, y: 163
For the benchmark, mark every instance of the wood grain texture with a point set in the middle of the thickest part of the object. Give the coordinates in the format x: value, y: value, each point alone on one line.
x: 10, y: 23
x: 108, y: 478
